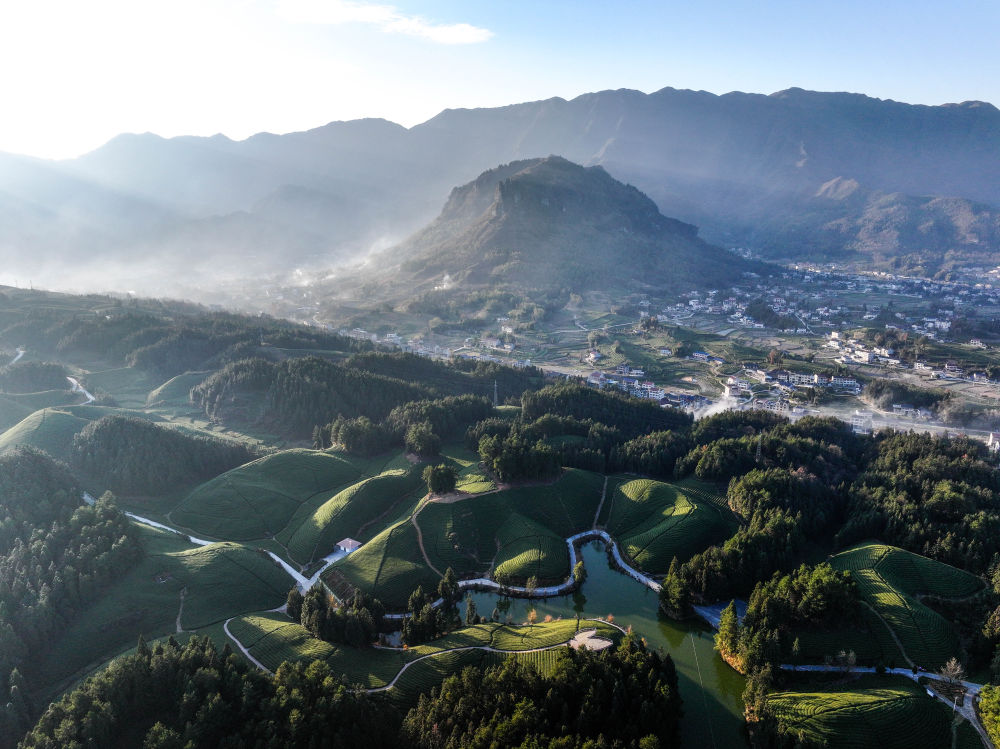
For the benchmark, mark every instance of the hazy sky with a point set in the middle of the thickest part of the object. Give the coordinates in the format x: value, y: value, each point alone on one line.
x: 75, y: 73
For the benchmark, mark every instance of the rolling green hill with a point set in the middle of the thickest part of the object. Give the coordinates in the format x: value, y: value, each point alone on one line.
x: 217, y: 581
x: 887, y: 712
x: 522, y: 529
x: 48, y: 429
x: 892, y: 580
x: 260, y: 498
x: 389, y: 567
x: 347, y: 511
x: 655, y: 522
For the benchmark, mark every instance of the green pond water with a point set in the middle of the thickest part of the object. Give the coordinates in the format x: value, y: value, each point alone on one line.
x: 713, y: 710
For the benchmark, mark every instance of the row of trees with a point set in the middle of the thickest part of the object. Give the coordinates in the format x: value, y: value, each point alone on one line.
x: 427, y: 622
x: 417, y: 425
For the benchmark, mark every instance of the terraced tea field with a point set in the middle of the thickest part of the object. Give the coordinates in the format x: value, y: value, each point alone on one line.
x: 272, y: 639
x: 260, y: 498
x: 890, y: 580
x: 389, y: 567
x: 522, y: 529
x: 218, y: 581
x: 347, y: 511
x: 655, y: 521
x: 889, y: 712
x: 48, y: 429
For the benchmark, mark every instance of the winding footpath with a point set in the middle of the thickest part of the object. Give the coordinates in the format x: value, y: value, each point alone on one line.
x: 583, y: 638
x: 78, y: 388
x: 245, y: 651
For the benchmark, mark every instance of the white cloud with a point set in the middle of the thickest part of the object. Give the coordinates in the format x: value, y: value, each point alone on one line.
x: 385, y: 17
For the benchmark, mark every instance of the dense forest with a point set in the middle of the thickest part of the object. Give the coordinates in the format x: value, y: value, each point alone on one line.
x: 813, y: 487
x: 171, y: 696
x: 165, y: 338
x: 626, y: 697
x: 297, y: 395
x: 135, y: 456
x: 56, y: 556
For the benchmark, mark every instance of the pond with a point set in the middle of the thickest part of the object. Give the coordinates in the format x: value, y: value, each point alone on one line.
x: 713, y: 708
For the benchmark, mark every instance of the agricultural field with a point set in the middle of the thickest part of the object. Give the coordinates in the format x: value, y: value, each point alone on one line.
x: 389, y: 567
x: 175, y: 392
x: 655, y: 521
x: 48, y: 429
x: 889, y: 712
x: 345, y: 513
x: 45, y: 399
x: 218, y: 581
x: 11, y: 412
x: 259, y: 499
x: 871, y: 641
x: 523, y: 529
x: 470, y: 478
x: 128, y: 386
x: 891, y: 581
x: 273, y: 638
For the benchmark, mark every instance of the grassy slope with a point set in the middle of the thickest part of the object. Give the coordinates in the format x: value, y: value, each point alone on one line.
x: 260, y: 498
x: 347, y: 511
x: 11, y: 412
x: 654, y: 522
x: 887, y: 712
x: 890, y: 580
x: 470, y: 534
x: 175, y: 392
x: 48, y: 429
x: 388, y: 567
x: 273, y: 638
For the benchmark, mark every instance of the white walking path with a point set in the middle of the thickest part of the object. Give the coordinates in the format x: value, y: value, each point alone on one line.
x: 254, y: 661
x: 303, y: 582
x: 484, y: 583
x: 78, y: 388
x: 583, y: 638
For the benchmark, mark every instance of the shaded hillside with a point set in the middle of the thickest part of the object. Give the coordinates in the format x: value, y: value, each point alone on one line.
x: 550, y: 223
x: 928, y: 236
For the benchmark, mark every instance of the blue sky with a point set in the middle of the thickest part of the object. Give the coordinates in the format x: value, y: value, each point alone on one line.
x: 76, y: 74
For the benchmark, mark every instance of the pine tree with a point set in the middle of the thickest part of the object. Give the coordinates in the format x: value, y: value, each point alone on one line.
x: 471, y: 616
x: 727, y: 638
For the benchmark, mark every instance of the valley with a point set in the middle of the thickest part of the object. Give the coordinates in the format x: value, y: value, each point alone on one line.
x: 238, y: 506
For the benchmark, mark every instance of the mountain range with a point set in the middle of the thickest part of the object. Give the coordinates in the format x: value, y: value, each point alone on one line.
x: 794, y: 175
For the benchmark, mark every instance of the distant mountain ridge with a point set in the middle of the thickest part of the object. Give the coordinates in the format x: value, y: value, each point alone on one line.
x: 740, y: 166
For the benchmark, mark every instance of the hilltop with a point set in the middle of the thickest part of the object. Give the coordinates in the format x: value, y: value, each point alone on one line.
x: 550, y: 223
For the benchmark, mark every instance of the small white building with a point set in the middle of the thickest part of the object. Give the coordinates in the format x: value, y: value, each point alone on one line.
x: 348, y: 545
